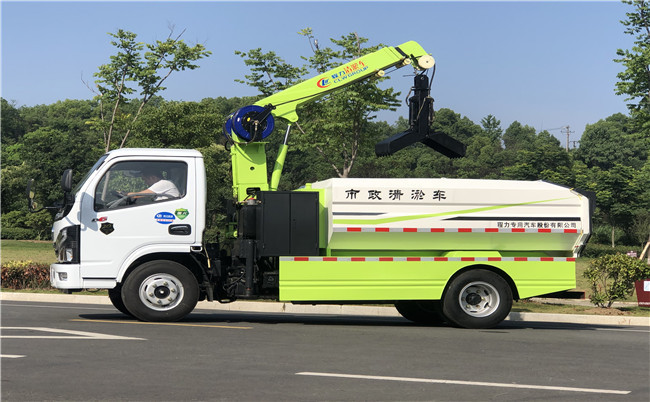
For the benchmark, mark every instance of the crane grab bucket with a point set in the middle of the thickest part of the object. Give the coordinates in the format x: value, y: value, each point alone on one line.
x: 420, y: 119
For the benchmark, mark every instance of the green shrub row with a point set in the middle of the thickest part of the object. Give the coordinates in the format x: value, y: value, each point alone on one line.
x: 595, y: 250
x: 19, y: 233
x: 25, y: 275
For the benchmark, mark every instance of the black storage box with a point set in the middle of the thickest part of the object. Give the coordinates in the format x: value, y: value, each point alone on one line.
x: 287, y: 223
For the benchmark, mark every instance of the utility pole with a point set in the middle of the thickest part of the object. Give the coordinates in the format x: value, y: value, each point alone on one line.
x: 568, y: 132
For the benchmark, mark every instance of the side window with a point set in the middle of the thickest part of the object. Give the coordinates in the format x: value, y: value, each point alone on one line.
x: 133, y: 183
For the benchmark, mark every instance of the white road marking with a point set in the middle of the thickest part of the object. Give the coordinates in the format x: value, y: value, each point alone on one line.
x: 623, y: 330
x: 60, y: 307
x: 11, y: 356
x: 455, y: 382
x: 173, y: 324
x: 68, y: 334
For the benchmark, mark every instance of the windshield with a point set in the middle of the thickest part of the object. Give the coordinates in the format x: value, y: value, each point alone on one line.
x: 66, y: 206
x: 92, y: 169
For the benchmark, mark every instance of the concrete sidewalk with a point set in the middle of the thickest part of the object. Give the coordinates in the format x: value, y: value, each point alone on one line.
x: 335, y: 309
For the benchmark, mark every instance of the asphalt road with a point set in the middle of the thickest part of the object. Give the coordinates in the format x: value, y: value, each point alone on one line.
x: 88, y: 352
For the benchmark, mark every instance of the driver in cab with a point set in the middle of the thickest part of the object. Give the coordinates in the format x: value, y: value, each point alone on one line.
x: 164, y: 189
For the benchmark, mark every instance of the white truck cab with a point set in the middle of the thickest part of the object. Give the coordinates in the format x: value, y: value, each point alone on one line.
x: 105, y: 229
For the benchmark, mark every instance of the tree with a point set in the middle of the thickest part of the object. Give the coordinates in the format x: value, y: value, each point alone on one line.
x: 43, y: 155
x: 147, y: 70
x: 177, y: 125
x: 55, y: 138
x: 13, y: 127
x: 219, y: 188
x: 640, y: 228
x: 635, y: 79
x: 337, y: 125
x: 50, y: 151
x: 492, y: 127
x: 482, y: 159
x: 269, y: 72
x: 533, y: 156
x: 518, y: 137
x: 616, y: 198
x: 611, y: 141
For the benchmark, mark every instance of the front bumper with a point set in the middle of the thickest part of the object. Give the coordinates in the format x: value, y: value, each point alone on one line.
x: 66, y: 276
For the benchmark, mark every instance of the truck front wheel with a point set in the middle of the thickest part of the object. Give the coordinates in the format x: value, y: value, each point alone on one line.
x: 477, y: 299
x: 115, y: 296
x: 160, y: 291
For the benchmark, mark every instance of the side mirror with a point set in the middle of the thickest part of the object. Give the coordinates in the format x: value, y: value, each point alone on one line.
x: 30, y: 196
x: 66, y: 181
x: 66, y: 185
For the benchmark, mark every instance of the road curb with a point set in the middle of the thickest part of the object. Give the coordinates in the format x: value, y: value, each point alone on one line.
x: 331, y: 309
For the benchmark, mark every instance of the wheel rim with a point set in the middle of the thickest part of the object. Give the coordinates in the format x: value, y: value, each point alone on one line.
x: 161, y: 292
x: 479, y: 299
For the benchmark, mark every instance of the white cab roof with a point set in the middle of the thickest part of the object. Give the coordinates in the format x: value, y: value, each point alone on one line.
x: 153, y: 152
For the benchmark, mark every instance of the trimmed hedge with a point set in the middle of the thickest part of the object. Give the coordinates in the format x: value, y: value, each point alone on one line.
x: 19, y: 233
x: 25, y: 275
x: 594, y: 250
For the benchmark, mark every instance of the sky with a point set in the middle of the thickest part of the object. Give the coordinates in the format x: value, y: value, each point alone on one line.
x: 545, y: 64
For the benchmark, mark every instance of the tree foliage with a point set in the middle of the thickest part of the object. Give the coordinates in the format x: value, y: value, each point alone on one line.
x: 13, y: 127
x: 337, y: 139
x: 337, y: 125
x: 635, y: 79
x: 610, y: 141
x: 148, y: 71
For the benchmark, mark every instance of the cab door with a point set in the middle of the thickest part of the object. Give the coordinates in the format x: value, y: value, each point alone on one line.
x: 120, y: 221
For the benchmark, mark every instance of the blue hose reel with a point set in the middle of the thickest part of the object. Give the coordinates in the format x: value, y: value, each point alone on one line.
x: 250, y: 123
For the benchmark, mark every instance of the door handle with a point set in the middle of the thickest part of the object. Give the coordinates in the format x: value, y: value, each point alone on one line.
x: 180, y: 230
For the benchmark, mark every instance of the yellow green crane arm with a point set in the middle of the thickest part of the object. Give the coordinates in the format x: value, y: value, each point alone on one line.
x: 284, y: 103
x: 251, y: 124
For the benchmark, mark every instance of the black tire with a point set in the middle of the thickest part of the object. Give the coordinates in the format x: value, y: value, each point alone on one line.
x: 421, y: 311
x: 115, y: 295
x: 160, y: 291
x: 477, y: 299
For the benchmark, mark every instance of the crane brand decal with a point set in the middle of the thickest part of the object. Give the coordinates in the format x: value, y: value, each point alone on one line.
x: 164, y: 218
x: 346, y: 72
x: 323, y: 83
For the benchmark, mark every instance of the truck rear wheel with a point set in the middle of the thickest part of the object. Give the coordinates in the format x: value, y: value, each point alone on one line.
x: 421, y: 311
x: 477, y: 299
x: 160, y: 291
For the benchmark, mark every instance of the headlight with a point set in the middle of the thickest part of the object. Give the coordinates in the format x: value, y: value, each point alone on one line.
x: 67, y: 245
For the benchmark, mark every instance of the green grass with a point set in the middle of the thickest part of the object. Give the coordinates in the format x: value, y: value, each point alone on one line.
x: 23, y: 250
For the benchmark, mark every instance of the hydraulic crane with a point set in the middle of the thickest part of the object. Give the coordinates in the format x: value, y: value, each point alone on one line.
x: 251, y: 124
